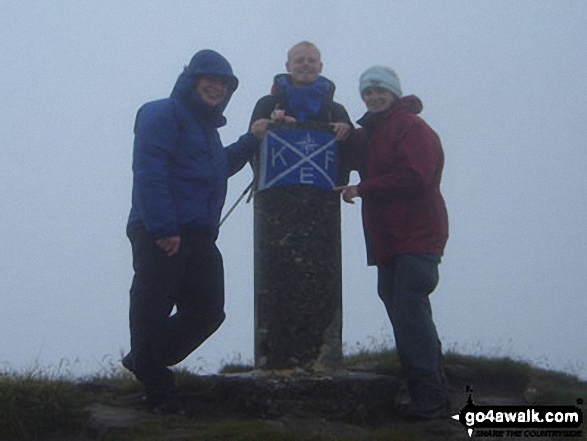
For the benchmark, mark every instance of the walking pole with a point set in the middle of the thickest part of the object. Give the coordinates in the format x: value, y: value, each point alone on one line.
x: 236, y: 203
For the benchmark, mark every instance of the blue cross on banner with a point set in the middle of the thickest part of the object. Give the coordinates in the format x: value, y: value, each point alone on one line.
x: 298, y: 157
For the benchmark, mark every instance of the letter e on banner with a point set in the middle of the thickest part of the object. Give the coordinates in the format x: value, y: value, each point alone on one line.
x: 298, y: 157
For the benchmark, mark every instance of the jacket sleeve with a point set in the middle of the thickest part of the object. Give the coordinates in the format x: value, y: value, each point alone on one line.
x: 239, y: 153
x: 339, y: 114
x: 263, y: 108
x: 354, y: 154
x: 156, y: 134
x: 416, y: 164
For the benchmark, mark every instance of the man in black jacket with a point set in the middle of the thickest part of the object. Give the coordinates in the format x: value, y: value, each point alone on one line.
x: 304, y: 95
x: 298, y: 271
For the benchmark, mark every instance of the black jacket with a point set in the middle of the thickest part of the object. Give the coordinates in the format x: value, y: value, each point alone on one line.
x: 330, y: 112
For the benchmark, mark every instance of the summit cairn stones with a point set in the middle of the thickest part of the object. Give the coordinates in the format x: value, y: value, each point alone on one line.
x: 298, y: 270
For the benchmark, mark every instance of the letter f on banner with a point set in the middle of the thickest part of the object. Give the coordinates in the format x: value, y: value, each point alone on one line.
x: 298, y: 157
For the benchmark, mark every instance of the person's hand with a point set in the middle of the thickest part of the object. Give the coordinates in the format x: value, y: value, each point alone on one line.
x: 169, y: 244
x: 259, y: 128
x: 342, y: 130
x: 279, y: 115
x: 349, y: 192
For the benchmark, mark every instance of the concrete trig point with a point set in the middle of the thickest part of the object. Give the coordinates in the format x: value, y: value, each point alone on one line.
x: 298, y: 270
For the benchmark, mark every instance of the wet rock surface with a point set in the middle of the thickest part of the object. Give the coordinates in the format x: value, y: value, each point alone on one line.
x: 342, y: 404
x: 106, y: 418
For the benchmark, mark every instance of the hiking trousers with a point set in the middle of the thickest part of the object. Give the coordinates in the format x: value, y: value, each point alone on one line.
x: 404, y: 284
x: 192, y: 281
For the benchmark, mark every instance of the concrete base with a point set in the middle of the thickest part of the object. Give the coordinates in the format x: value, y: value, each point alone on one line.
x: 350, y: 397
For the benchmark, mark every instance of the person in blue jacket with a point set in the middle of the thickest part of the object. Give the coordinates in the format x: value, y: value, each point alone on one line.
x: 180, y: 173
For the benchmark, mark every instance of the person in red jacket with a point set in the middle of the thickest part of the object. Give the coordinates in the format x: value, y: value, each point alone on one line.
x: 400, y: 161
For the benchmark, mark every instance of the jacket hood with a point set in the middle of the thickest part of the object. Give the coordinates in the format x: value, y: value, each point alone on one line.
x: 407, y: 104
x: 211, y: 63
x: 277, y: 88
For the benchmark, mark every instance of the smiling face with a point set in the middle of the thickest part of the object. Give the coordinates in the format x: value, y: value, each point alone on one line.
x: 212, y: 90
x: 378, y: 99
x: 304, y: 65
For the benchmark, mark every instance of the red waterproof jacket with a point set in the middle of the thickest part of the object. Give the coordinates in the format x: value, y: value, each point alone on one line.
x: 400, y: 160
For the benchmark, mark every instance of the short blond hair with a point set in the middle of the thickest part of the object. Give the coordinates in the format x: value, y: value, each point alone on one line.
x: 304, y: 43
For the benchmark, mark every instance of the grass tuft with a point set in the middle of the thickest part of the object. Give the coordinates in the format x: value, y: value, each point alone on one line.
x: 236, y: 365
x: 377, y: 356
x: 236, y: 368
x: 32, y: 406
x: 513, y: 375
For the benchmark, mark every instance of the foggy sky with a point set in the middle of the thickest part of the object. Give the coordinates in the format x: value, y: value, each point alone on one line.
x: 503, y: 84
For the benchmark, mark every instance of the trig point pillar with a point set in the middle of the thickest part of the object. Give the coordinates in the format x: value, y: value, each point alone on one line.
x: 298, y: 270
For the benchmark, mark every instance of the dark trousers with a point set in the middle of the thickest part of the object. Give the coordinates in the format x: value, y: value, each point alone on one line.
x: 404, y: 284
x: 193, y: 282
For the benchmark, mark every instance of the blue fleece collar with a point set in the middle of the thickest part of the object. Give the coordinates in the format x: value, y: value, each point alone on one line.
x: 305, y: 101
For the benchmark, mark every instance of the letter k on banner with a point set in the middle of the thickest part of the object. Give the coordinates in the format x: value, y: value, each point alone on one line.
x: 298, y: 157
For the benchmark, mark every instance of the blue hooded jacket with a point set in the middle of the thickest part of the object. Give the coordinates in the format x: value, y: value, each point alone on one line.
x: 180, y: 168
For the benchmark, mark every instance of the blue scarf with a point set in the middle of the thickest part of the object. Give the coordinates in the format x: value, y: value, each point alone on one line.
x: 305, y: 101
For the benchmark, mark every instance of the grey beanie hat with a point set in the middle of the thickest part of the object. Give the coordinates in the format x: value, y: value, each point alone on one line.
x: 380, y: 76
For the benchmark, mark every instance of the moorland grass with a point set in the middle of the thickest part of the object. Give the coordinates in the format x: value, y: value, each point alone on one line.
x: 33, y: 406
x: 36, y: 405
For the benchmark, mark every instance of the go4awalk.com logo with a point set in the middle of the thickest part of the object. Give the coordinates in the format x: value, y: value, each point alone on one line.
x: 521, y: 421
